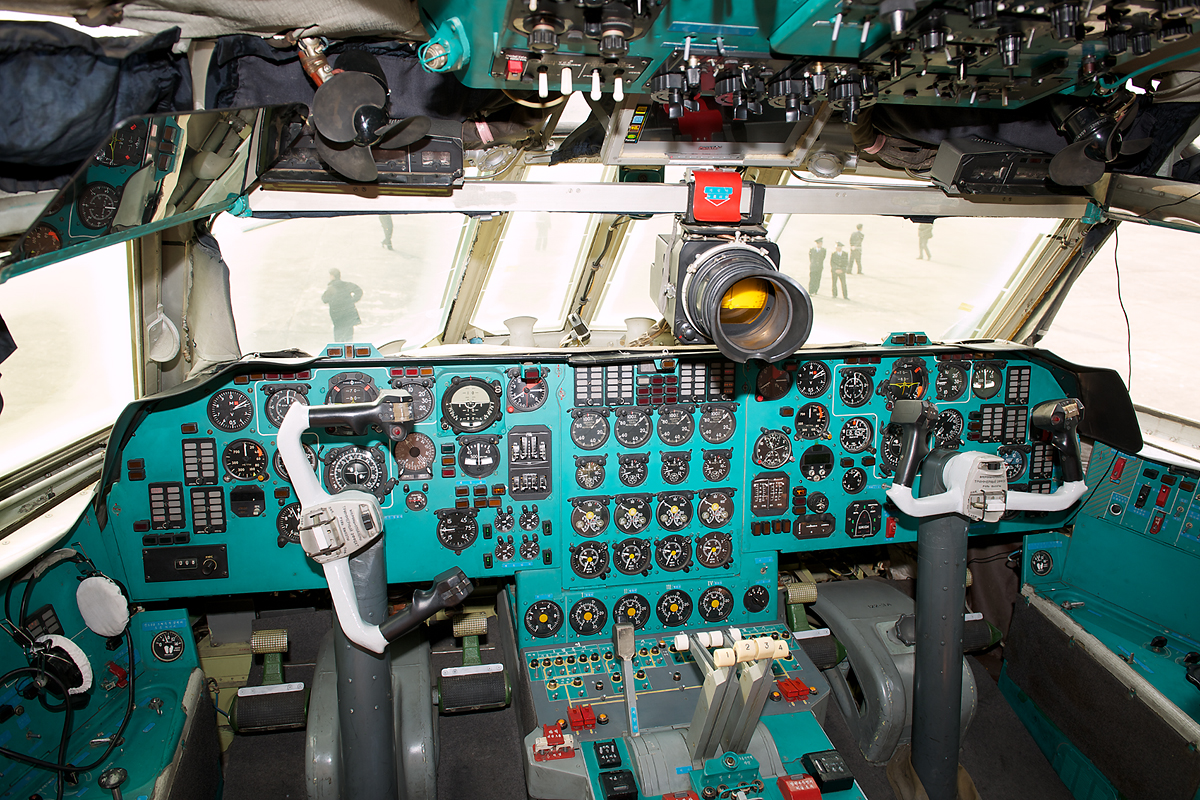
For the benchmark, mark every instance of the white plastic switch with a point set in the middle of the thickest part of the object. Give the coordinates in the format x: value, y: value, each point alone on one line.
x: 543, y: 83
x: 618, y: 88
x: 565, y: 81
x: 596, y: 93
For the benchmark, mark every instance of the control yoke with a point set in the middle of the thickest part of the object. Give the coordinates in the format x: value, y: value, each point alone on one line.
x: 335, y: 527
x: 977, y: 486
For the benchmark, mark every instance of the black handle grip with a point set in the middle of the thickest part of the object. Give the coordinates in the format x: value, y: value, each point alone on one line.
x: 916, y: 418
x: 449, y: 589
x: 391, y: 412
x: 1060, y: 418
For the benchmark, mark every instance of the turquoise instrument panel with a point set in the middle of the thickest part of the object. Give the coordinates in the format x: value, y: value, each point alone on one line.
x: 656, y: 488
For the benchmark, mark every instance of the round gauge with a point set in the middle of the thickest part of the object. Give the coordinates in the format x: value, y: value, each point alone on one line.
x: 529, y: 547
x: 854, y: 480
x: 716, y: 603
x: 415, y: 453
x: 675, y: 425
x: 479, y: 458
x: 817, y: 463
x: 674, y: 469
x: 125, y: 147
x: 673, y: 552
x: 856, y: 435
x: 817, y: 502
x: 245, y: 460
x: 812, y: 421
x: 527, y: 394
x: 985, y: 383
x: 230, y: 410
x: 632, y: 609
x: 354, y: 468
x: 287, y: 524
x: 470, y: 405
x: 351, y: 387
x: 97, y: 205
x: 422, y: 400
x: 908, y: 380
x: 279, y: 402
x: 281, y: 468
x: 674, y: 608
x: 589, y: 430
x: 889, y: 445
x: 505, y: 521
x: 951, y: 382
x: 529, y: 517
x: 41, y: 239
x: 1014, y: 462
x: 631, y: 556
x: 416, y: 501
x: 756, y: 598
x: 633, y: 427
x: 855, y: 388
x: 167, y: 645
x: 772, y: 449
x: 714, y: 549
x: 633, y: 471
x: 1041, y: 563
x: 588, y: 616
x: 589, y: 559
x: 812, y: 379
x: 715, y: 509
x: 948, y: 429
x: 674, y: 511
x: 715, y: 467
x: 543, y: 619
x: 632, y: 514
x: 717, y: 424
x: 505, y: 549
x: 456, y: 530
x: 589, y: 474
x: 772, y: 383
x: 589, y: 517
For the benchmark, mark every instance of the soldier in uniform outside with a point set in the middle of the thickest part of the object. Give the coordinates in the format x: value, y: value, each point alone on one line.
x: 839, y: 263
x: 856, y: 240
x: 816, y: 265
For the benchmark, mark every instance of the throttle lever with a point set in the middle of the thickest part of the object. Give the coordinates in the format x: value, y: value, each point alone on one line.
x: 1060, y: 418
x: 916, y: 418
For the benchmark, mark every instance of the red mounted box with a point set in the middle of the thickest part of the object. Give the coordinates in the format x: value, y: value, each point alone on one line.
x: 717, y: 197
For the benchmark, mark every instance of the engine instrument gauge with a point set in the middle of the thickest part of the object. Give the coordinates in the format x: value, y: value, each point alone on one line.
x: 1014, y: 462
x: 456, y: 530
x: 479, y: 456
x: 351, y: 387
x: 673, y: 553
x: 947, y: 431
x: 588, y: 616
x: 505, y: 549
x: 589, y: 430
x: 817, y: 463
x: 528, y: 394
x: 422, y: 398
x: 854, y: 481
x: 716, y: 603
x: 354, y: 467
x: 855, y: 388
x: 674, y: 608
x: 589, y: 517
x: 951, y: 382
x: 230, y: 410
x: 529, y: 547
x: 772, y: 383
x: 675, y: 468
x: 889, y: 445
x: 633, y: 470
x: 97, y: 205
x: 714, y: 549
x: 279, y: 402
x: 856, y: 435
x: 41, y: 239
x: 986, y: 381
x: 633, y: 427
x: 281, y: 468
x: 504, y: 521
x: 715, y: 466
x: 756, y: 598
x: 674, y: 511
x: 543, y: 619
x: 812, y: 379
x: 589, y: 559
x: 717, y: 424
x: 245, y: 460
x: 589, y: 473
x: 416, y: 501
x: 632, y: 514
x: 632, y: 609
x: 675, y: 425
x: 287, y: 524
x: 631, y: 556
x: 715, y: 509
x: 909, y: 380
x: 415, y: 454
x: 772, y: 449
x: 812, y: 421
x: 470, y: 405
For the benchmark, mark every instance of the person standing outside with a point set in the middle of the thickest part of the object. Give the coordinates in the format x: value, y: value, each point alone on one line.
x: 341, y: 297
x: 839, y: 263
x: 816, y: 265
x: 856, y: 240
x: 924, y: 234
